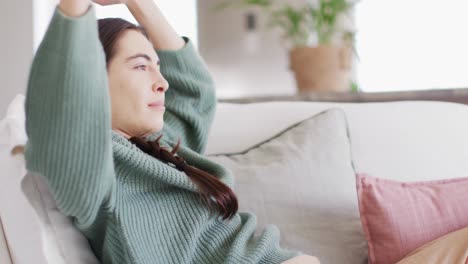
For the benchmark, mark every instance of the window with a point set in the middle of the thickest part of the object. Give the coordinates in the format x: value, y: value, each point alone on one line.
x: 184, y: 20
x: 412, y: 45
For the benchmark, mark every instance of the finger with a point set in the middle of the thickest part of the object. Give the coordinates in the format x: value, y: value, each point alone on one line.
x: 99, y: 2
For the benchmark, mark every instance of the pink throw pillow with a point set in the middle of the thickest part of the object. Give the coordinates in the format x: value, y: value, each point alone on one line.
x: 399, y: 217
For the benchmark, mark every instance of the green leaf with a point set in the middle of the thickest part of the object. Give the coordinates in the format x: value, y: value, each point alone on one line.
x: 298, y: 24
x: 354, y: 87
x: 242, y: 4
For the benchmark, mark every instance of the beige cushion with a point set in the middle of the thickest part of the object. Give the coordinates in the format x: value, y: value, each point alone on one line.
x: 449, y: 249
x: 20, y: 224
x: 302, y: 181
x: 36, y: 231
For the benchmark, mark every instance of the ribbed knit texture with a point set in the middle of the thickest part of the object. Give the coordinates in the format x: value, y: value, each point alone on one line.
x: 132, y: 207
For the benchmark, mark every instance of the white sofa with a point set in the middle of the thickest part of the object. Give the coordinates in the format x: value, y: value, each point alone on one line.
x: 411, y: 140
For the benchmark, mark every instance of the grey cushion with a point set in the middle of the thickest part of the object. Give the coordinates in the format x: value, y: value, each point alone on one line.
x: 302, y: 181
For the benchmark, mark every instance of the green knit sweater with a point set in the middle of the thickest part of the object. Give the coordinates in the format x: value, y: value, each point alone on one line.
x: 131, y: 207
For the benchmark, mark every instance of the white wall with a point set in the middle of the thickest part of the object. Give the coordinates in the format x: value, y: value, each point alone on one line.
x: 16, y: 48
x: 238, y: 70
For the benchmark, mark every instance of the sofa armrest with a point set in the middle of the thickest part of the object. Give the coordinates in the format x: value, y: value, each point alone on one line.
x: 4, y: 252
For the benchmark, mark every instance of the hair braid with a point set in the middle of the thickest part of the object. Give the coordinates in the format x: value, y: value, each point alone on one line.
x: 209, y: 186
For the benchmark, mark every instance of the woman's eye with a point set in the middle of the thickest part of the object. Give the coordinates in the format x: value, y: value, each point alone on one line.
x: 142, y: 67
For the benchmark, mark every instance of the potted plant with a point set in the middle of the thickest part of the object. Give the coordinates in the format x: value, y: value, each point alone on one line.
x: 320, y: 51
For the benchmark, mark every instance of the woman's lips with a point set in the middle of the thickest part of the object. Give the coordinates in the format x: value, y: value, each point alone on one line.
x: 157, y: 105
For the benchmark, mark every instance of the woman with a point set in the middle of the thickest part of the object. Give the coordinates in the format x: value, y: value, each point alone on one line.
x: 99, y: 132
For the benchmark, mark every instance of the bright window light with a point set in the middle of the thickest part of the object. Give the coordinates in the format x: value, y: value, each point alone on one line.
x: 184, y: 20
x: 412, y: 45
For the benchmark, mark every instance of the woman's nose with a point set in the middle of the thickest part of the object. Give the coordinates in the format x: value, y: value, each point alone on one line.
x: 161, y: 86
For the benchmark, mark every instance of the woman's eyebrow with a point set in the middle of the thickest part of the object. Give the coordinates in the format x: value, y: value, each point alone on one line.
x: 140, y: 55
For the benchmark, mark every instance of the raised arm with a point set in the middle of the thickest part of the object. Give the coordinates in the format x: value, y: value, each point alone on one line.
x: 68, y: 114
x: 190, y: 99
x: 162, y: 35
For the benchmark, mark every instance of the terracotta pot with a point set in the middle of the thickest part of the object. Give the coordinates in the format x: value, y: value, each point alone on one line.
x: 322, y: 68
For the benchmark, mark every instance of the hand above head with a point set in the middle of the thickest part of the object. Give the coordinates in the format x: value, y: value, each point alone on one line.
x: 74, y: 8
x: 109, y: 2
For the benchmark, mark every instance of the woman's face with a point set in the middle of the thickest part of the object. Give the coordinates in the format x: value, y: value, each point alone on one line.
x: 136, y: 86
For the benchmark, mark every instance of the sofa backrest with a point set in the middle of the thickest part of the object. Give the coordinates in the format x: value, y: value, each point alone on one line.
x: 407, y: 140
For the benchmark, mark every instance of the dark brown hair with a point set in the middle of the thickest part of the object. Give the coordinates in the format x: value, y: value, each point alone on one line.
x: 214, y: 193
x: 110, y: 31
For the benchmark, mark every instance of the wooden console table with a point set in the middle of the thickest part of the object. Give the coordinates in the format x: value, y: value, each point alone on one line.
x: 446, y: 95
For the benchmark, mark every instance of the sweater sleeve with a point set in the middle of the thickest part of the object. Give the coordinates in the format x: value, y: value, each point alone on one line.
x: 191, y: 98
x: 68, y: 117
